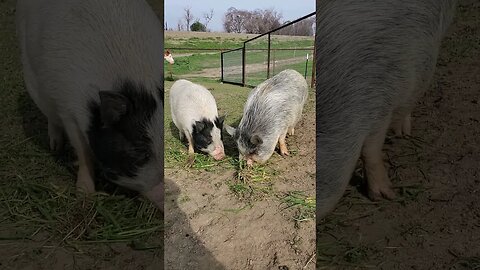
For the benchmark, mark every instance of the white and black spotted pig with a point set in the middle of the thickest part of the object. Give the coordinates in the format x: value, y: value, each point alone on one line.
x: 194, y: 113
x: 94, y: 68
x: 374, y: 59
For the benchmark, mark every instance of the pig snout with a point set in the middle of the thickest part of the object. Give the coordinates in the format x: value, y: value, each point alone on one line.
x: 250, y: 162
x: 218, y: 153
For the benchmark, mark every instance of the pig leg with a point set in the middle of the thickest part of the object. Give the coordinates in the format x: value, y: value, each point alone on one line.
x: 180, y: 135
x: 56, y: 136
x: 291, y: 131
x: 282, y: 145
x: 407, y: 125
x: 191, y: 152
x: 85, y: 167
x: 55, y: 130
x: 379, y: 184
x: 402, y: 126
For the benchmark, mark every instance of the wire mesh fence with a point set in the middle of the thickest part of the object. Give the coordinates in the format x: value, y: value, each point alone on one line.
x: 231, y: 69
x: 290, y: 46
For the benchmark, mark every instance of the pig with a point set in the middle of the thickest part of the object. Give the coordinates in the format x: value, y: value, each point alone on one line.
x: 168, y: 57
x: 272, y: 110
x: 194, y: 113
x: 374, y: 59
x: 94, y: 69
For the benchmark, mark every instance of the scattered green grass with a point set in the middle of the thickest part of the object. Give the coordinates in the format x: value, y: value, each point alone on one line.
x: 472, y: 263
x: 34, y: 208
x: 410, y: 192
x: 304, y: 205
x: 253, y: 183
x: 342, y: 253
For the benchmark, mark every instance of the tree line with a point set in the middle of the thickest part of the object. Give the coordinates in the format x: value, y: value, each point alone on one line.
x: 245, y: 21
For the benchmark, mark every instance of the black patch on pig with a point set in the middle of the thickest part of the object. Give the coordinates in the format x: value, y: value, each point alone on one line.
x: 251, y: 142
x: 219, y: 124
x: 161, y: 94
x: 117, y: 131
x: 202, y: 133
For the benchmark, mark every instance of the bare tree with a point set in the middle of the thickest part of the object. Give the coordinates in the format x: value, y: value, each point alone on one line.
x: 188, y: 17
x: 269, y: 20
x: 251, y: 22
x: 179, y: 25
x: 233, y: 21
x: 301, y: 28
x: 208, y: 17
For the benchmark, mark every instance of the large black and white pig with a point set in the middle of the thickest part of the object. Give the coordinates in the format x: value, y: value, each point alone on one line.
x: 194, y: 113
x: 272, y: 110
x: 94, y: 68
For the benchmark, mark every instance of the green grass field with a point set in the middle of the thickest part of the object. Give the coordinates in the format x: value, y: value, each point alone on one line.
x: 196, y: 61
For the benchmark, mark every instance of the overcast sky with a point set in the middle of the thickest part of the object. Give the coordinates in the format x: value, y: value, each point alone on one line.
x: 290, y: 9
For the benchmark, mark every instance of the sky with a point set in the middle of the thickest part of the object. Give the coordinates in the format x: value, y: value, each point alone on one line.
x: 290, y: 9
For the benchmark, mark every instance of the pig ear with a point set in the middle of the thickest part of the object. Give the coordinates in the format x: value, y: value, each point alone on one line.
x: 256, y: 140
x: 199, y: 126
x: 221, y: 119
x: 112, y: 106
x: 230, y: 130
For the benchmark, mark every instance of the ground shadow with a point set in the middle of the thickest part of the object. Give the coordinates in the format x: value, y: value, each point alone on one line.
x: 35, y: 127
x: 183, y: 249
x: 229, y: 143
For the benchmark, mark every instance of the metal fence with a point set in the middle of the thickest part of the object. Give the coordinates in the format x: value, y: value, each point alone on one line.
x: 231, y: 70
x: 290, y: 46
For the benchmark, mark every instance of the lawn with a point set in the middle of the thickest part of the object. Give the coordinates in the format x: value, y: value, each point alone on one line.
x: 200, y: 54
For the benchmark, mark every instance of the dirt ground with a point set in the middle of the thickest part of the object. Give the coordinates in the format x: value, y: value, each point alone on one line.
x: 208, y: 227
x: 435, y: 223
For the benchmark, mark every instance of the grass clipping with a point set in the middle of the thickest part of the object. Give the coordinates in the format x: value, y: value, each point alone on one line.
x: 252, y: 183
x: 33, y: 207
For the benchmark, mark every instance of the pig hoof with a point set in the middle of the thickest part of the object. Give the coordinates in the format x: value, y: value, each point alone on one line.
x: 291, y: 132
x: 56, y: 144
x: 379, y: 193
x: 85, y: 182
x: 56, y: 138
x: 285, y: 153
x: 190, y: 161
x: 86, y: 189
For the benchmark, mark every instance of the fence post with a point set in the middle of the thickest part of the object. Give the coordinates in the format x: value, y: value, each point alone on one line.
x: 221, y: 66
x: 268, y: 58
x: 314, y: 68
x: 243, y: 65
